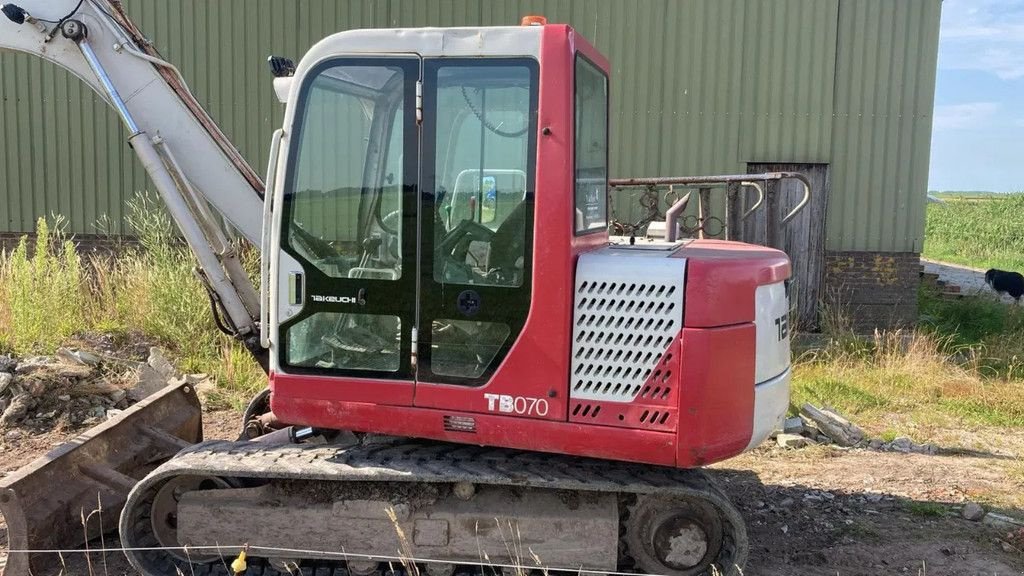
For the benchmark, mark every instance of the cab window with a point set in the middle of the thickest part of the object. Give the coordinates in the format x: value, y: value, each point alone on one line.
x: 591, y: 147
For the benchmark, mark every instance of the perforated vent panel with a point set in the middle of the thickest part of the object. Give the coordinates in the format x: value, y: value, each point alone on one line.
x: 628, y: 310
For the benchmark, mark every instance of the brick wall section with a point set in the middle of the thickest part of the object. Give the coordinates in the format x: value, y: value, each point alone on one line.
x: 873, y: 289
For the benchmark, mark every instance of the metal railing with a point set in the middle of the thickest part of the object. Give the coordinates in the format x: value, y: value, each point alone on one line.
x: 679, y: 191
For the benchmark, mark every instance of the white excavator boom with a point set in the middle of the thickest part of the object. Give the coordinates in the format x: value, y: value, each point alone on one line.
x: 192, y: 164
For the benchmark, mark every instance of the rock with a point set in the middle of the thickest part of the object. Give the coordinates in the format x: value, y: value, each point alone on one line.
x: 32, y: 364
x: 158, y: 361
x: 79, y: 357
x: 197, y: 379
x: 36, y: 388
x: 5, y: 380
x: 791, y: 441
x: 72, y: 371
x: 64, y: 398
x: 794, y: 425
x: 204, y: 387
x: 113, y: 412
x: 13, y: 435
x: 117, y: 395
x: 97, y: 412
x: 901, y: 444
x: 149, y: 381
x: 875, y: 444
x: 8, y: 364
x: 786, y: 503
x: 972, y: 511
x: 17, y: 410
x: 1007, y: 547
x: 924, y: 449
x: 838, y: 429
x: 1002, y: 522
x: 45, y: 368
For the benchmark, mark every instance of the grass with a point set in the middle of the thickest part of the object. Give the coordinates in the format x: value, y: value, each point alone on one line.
x: 41, y: 299
x: 979, y: 331
x: 964, y: 366
x: 981, y: 232
x: 54, y: 293
x: 926, y: 509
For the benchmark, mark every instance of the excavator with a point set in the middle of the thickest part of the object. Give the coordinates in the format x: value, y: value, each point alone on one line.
x: 466, y: 371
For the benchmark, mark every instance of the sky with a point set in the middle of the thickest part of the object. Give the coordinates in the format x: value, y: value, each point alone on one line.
x: 978, y: 132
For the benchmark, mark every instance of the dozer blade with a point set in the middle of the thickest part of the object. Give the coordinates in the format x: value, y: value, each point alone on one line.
x: 88, y: 478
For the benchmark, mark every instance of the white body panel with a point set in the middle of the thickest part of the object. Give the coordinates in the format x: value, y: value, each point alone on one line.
x: 771, y: 401
x: 771, y: 316
x: 628, y: 308
x: 772, y: 373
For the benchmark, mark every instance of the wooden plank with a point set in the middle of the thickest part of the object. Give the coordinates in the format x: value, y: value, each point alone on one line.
x: 803, y: 239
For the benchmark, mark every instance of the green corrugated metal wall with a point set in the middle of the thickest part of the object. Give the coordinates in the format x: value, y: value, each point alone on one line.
x: 698, y: 87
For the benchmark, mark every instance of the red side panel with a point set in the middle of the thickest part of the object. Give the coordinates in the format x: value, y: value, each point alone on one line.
x: 333, y: 389
x: 623, y: 444
x: 721, y: 278
x: 716, y: 411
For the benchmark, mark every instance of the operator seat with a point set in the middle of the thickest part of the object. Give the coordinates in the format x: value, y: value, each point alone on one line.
x: 508, y: 245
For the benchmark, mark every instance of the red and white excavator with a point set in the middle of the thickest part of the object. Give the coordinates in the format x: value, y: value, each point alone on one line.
x: 464, y: 367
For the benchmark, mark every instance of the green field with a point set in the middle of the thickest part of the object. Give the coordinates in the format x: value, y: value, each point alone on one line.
x: 977, y: 230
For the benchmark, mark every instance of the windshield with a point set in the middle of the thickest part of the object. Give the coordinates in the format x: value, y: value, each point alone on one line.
x: 345, y: 207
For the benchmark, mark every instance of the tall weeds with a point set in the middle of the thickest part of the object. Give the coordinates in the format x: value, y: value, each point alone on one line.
x: 146, y: 288
x: 42, y: 298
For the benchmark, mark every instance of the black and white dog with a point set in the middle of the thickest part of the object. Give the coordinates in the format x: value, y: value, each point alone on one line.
x: 1004, y: 282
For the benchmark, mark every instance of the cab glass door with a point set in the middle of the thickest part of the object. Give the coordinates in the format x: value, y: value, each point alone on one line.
x: 478, y: 164
x: 349, y: 219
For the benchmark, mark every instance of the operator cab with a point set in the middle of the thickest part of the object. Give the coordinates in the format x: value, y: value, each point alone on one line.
x: 407, y: 231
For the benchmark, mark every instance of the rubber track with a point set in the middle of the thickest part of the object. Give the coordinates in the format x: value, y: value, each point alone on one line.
x: 402, y: 460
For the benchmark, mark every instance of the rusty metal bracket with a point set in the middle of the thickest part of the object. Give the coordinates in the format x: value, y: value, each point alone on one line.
x: 733, y: 184
x: 49, y: 503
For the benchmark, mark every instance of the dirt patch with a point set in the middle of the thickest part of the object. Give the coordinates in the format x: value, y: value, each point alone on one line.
x: 826, y: 511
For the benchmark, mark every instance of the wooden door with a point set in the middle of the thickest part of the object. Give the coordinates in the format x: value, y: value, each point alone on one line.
x: 803, y: 238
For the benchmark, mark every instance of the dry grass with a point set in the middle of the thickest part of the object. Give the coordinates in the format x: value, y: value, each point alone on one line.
x: 910, y: 379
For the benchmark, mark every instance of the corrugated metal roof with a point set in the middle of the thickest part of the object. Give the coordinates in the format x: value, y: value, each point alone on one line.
x: 698, y: 87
